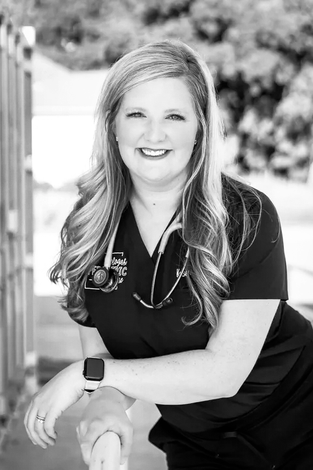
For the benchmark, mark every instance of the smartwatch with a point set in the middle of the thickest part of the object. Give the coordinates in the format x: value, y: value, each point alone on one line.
x: 93, y: 373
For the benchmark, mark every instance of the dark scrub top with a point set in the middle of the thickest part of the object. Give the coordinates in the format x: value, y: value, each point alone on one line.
x: 130, y: 330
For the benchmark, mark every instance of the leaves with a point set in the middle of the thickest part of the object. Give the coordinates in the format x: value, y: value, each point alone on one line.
x: 260, y: 54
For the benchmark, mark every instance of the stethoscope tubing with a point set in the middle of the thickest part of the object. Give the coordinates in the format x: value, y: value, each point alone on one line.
x: 175, y: 225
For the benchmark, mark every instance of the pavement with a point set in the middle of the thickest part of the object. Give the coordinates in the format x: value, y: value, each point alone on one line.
x: 58, y: 344
x: 58, y: 340
x: 19, y: 452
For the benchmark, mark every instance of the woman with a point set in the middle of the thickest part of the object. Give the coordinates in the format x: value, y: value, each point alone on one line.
x: 203, y: 331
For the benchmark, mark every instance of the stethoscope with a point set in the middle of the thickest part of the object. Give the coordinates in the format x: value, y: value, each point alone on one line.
x: 106, y: 279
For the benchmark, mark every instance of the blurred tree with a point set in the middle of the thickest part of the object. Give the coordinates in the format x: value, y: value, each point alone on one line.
x: 293, y: 126
x: 121, y: 38
x: 260, y: 54
x: 152, y: 11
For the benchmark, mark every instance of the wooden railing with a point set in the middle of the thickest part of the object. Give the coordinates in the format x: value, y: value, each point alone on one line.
x: 107, y: 450
x: 16, y: 216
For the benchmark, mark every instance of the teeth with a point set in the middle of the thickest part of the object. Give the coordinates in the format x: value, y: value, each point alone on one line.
x: 153, y: 153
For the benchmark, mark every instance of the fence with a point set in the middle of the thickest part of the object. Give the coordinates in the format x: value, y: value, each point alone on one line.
x: 16, y: 220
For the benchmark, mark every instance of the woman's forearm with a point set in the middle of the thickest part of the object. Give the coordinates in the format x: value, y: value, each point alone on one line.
x: 112, y: 393
x: 109, y: 393
x: 180, y: 378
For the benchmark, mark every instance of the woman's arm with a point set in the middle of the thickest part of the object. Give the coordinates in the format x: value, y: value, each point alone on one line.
x: 218, y: 371
x: 106, y: 410
x: 65, y: 389
x: 93, y: 346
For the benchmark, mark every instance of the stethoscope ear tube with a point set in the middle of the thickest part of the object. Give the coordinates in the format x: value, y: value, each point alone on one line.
x: 158, y: 306
x: 106, y: 278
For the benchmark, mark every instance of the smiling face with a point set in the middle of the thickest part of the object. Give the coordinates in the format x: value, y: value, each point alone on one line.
x: 156, y: 128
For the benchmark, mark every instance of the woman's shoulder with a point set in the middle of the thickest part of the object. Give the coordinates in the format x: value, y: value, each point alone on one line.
x: 238, y: 194
x: 252, y: 216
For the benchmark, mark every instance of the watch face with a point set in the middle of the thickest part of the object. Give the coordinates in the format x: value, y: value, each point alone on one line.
x: 94, y: 368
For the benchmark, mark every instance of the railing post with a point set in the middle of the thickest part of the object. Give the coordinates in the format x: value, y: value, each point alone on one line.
x: 31, y: 357
x: 19, y: 192
x: 16, y: 218
x: 106, y: 450
x: 4, y: 373
x: 11, y: 209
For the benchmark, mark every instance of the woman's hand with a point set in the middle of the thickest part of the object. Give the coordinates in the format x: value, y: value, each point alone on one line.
x: 65, y: 389
x: 105, y: 412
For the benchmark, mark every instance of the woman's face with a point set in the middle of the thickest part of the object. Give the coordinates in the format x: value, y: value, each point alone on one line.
x: 156, y: 128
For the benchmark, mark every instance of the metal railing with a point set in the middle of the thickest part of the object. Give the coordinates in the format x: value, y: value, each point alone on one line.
x: 16, y: 216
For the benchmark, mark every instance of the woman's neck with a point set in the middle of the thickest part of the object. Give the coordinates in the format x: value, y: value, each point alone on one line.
x: 153, y: 211
x: 154, y: 201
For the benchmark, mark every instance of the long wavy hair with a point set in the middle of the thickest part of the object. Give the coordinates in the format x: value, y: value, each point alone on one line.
x: 104, y: 191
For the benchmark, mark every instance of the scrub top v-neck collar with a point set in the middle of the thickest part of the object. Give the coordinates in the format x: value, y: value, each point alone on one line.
x: 136, y: 237
x: 128, y: 328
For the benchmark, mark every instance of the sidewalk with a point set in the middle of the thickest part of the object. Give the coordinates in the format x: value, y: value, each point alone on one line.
x: 57, y: 344
x: 57, y: 338
x: 20, y: 453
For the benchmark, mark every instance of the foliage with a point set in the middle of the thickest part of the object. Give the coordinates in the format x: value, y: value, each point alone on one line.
x: 260, y: 54
x: 152, y: 11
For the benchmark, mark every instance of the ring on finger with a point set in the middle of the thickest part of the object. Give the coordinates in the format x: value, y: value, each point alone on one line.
x: 41, y: 419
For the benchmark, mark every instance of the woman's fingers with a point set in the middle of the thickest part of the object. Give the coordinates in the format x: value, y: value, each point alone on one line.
x: 33, y: 428
x: 26, y: 418
x: 56, y: 396
x: 88, y: 435
x: 49, y: 426
x: 40, y: 426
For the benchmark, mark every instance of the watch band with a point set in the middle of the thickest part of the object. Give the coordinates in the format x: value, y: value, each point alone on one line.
x: 91, y: 385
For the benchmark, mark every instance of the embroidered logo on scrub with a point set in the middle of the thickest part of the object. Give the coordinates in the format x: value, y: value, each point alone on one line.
x: 178, y: 271
x: 119, y: 264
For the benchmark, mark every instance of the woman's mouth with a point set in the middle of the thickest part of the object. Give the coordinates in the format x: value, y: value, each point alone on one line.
x: 154, y: 152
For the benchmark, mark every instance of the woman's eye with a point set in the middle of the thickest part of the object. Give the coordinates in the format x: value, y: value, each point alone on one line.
x: 136, y: 114
x: 176, y: 117
x: 139, y: 114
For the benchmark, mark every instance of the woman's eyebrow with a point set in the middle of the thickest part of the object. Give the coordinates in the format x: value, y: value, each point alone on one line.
x: 171, y: 110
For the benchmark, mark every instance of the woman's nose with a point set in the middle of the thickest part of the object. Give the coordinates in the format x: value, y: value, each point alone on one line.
x: 154, y: 132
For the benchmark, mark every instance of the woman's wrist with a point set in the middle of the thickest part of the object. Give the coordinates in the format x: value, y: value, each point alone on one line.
x: 110, y: 385
x: 107, y: 393
x: 77, y: 368
x: 113, y: 395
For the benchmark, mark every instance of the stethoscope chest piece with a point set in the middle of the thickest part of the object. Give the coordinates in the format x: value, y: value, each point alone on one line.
x: 105, y: 279
x: 100, y: 276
